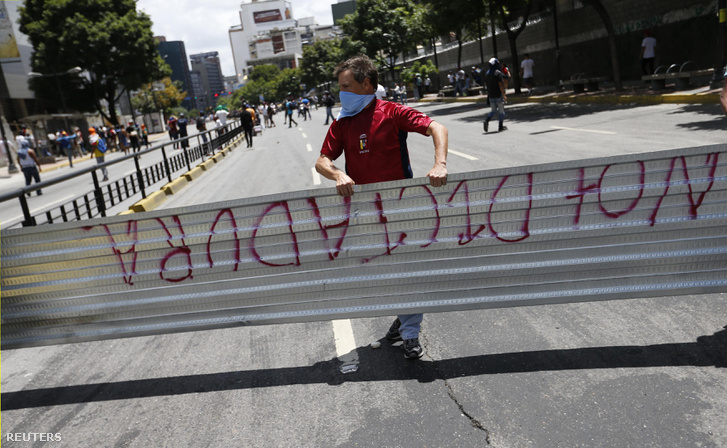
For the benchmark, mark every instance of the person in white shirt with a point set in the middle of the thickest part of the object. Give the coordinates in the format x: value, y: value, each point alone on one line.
x: 648, y: 53
x: 380, y: 92
x: 526, y: 72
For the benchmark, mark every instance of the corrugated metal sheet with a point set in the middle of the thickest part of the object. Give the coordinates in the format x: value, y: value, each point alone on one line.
x: 643, y: 225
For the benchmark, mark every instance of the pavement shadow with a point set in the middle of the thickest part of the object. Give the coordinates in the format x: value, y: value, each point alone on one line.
x: 534, y: 112
x: 387, y: 364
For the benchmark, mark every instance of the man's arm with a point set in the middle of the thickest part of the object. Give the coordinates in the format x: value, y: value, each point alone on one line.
x: 723, y: 97
x: 32, y: 155
x: 344, y: 184
x: 438, y: 174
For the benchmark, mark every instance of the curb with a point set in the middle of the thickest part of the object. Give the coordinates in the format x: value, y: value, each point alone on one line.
x: 668, y: 98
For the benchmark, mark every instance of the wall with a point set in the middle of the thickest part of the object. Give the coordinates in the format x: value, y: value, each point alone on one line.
x: 685, y: 31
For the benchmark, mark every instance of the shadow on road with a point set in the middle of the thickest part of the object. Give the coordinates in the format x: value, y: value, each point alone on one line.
x: 387, y: 364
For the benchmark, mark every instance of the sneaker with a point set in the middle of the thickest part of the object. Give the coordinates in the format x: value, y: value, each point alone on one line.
x: 486, y: 125
x: 412, y: 349
x: 393, y: 333
x: 502, y: 128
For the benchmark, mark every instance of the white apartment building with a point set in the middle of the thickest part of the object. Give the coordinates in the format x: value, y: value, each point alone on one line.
x: 268, y: 34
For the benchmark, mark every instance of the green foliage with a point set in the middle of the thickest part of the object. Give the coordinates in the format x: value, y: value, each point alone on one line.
x: 110, y: 40
x: 319, y: 62
x: 388, y: 26
x: 424, y: 69
x: 149, y: 100
x: 267, y: 72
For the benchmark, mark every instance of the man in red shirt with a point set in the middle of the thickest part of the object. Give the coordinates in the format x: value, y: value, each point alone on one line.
x: 372, y: 134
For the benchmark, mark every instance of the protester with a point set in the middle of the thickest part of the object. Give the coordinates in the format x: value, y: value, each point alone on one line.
x: 246, y: 119
x: 526, y: 72
x: 372, y: 135
x: 182, y: 125
x: 496, y: 94
x: 99, y: 147
x: 173, y: 131
x: 66, y: 142
x: 329, y: 102
x: 29, y: 163
x: 133, y: 134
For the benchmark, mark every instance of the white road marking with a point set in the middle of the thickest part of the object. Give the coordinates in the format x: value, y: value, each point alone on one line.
x: 461, y: 154
x: 316, y: 176
x: 304, y: 136
x: 309, y: 147
x: 583, y: 130
x: 345, y: 342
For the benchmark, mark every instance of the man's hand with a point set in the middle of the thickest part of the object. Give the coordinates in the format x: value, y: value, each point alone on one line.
x: 438, y: 176
x: 344, y: 185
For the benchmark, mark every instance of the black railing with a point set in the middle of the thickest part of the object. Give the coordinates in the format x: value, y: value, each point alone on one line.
x: 96, y: 202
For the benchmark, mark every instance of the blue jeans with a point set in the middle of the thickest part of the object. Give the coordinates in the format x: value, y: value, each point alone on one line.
x: 497, y: 105
x: 410, y: 325
x: 329, y: 113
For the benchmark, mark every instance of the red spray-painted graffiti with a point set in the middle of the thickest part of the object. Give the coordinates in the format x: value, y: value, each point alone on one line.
x: 513, y: 198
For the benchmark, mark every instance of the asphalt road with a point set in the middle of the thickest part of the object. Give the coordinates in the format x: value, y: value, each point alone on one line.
x: 631, y: 373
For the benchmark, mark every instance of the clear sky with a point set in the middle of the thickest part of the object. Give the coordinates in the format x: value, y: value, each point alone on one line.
x: 203, y: 26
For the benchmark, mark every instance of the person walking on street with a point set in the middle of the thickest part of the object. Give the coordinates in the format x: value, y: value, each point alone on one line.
x: 133, y: 136
x: 182, y: 125
x: 290, y: 107
x: 98, y: 145
x: 526, y: 72
x: 247, y: 124
x: 648, y: 53
x: 271, y: 112
x: 201, y: 125
x: 173, y: 131
x: 29, y: 163
x: 496, y: 94
x: 66, y: 141
x: 329, y: 102
x: 372, y: 135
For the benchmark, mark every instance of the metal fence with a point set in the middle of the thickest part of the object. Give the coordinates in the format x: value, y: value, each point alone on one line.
x: 644, y: 225
x: 97, y: 201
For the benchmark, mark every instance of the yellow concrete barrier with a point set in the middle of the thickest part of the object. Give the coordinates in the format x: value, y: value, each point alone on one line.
x: 193, y: 174
x: 175, y: 186
x: 150, y: 203
x: 207, y: 165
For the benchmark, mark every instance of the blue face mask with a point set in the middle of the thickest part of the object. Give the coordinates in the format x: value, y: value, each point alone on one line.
x: 353, y: 103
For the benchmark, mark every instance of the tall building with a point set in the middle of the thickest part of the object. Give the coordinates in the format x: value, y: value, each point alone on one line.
x: 268, y: 34
x: 341, y: 9
x: 175, y: 55
x: 210, y: 78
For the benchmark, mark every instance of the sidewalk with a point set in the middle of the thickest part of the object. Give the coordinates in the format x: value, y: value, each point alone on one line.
x: 633, y: 92
x: 62, y: 162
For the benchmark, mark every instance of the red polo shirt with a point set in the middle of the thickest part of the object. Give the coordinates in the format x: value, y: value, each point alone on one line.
x: 374, y: 141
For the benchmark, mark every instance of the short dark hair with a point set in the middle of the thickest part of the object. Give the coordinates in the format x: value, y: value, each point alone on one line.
x: 362, y: 67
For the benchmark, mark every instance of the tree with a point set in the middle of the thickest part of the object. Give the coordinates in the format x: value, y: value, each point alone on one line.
x: 462, y: 18
x: 110, y: 40
x: 148, y: 100
x: 509, y: 11
x: 601, y: 10
x: 320, y: 60
x: 380, y: 27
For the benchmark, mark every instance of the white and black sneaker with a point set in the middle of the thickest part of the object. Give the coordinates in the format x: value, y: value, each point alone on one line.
x: 412, y: 349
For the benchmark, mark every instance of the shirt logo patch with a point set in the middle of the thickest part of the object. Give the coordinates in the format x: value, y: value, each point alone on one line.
x: 363, y: 144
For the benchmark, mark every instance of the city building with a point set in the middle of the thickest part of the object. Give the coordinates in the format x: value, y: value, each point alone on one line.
x: 208, y: 74
x: 340, y: 9
x: 175, y: 56
x: 268, y: 34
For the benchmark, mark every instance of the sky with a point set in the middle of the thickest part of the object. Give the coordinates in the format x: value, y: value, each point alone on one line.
x: 203, y: 26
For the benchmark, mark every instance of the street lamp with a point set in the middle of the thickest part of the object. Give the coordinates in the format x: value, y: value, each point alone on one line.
x: 72, y: 71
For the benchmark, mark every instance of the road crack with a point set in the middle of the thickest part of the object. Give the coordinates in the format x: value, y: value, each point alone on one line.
x: 450, y: 391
